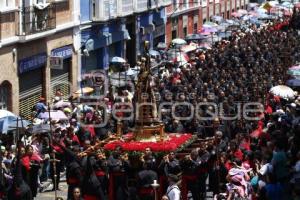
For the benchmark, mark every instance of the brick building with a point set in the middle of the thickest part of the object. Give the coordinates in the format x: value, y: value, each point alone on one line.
x: 187, y: 16
x: 32, y: 31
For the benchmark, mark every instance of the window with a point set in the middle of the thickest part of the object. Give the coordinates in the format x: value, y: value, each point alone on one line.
x: 185, y: 4
x: 174, y: 34
x: 195, y: 28
x: 7, y: 4
x: 5, y: 95
x: 185, y: 31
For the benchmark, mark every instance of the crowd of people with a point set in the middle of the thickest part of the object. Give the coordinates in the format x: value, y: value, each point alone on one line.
x: 237, y: 163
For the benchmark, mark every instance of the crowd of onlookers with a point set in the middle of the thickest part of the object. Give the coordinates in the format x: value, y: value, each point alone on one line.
x: 258, y: 159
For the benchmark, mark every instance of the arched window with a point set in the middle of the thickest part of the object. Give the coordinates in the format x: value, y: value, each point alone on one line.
x: 5, y: 96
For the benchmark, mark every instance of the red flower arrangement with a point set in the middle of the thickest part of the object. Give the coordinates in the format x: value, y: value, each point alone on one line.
x: 175, y: 142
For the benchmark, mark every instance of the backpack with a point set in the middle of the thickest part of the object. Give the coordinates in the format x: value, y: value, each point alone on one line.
x: 172, y: 188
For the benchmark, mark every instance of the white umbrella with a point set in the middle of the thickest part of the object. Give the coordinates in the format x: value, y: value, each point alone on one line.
x: 118, y: 60
x: 179, y: 41
x: 6, y: 113
x: 283, y: 91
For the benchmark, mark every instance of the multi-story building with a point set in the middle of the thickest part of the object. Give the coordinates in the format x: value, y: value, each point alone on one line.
x: 187, y: 16
x: 118, y: 28
x: 32, y: 32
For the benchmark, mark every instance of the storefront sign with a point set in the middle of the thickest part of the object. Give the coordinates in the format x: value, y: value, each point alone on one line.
x: 33, y: 62
x: 159, y: 31
x: 64, y: 52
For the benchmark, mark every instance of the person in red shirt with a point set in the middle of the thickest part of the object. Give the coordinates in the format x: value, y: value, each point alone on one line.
x: 71, y: 135
x: 234, y: 151
x: 31, y: 163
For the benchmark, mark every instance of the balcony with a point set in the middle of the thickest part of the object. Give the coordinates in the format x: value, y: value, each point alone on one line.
x: 35, y: 19
x: 125, y: 7
x: 166, y: 2
x: 103, y: 10
x: 140, y: 6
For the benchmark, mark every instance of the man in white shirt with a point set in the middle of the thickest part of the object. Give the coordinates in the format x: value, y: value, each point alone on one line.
x: 173, y: 191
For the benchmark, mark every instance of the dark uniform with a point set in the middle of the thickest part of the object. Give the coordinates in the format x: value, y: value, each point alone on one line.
x: 190, y: 178
x: 20, y: 189
x: 118, y: 181
x: 91, y: 186
x: 145, y: 178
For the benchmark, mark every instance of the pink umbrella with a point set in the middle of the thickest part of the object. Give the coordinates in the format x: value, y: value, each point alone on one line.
x: 54, y: 115
x: 235, y: 14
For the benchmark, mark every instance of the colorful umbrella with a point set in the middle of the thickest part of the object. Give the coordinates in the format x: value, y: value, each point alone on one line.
x: 236, y: 14
x: 283, y: 91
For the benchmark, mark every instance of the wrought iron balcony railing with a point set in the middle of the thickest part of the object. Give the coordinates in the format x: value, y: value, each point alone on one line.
x: 36, y: 19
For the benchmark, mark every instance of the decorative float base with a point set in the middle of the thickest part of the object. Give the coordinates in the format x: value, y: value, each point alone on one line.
x: 173, y: 142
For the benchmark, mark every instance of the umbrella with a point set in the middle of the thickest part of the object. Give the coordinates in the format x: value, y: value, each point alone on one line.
x: 6, y: 113
x: 54, y: 115
x: 195, y: 37
x: 293, y: 83
x: 236, y: 14
x: 61, y: 104
x: 118, y: 60
x: 294, y: 71
x: 209, y: 25
x: 188, y: 48
x: 207, y: 31
x: 297, y: 5
x: 10, y: 123
x: 181, y: 59
x: 217, y: 18
x: 242, y: 12
x: 41, y: 128
x: 154, y: 53
x: 287, y: 4
x: 179, y: 41
x: 253, y: 5
x: 161, y: 45
x: 283, y: 91
x: 85, y: 90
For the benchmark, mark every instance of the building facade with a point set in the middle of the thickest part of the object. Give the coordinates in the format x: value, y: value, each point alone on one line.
x: 187, y: 16
x: 33, y: 32
x: 118, y: 28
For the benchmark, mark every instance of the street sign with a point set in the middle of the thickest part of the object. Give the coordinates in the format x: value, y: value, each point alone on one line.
x: 56, y: 62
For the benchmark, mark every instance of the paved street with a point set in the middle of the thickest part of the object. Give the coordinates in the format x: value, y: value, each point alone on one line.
x: 47, y: 194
